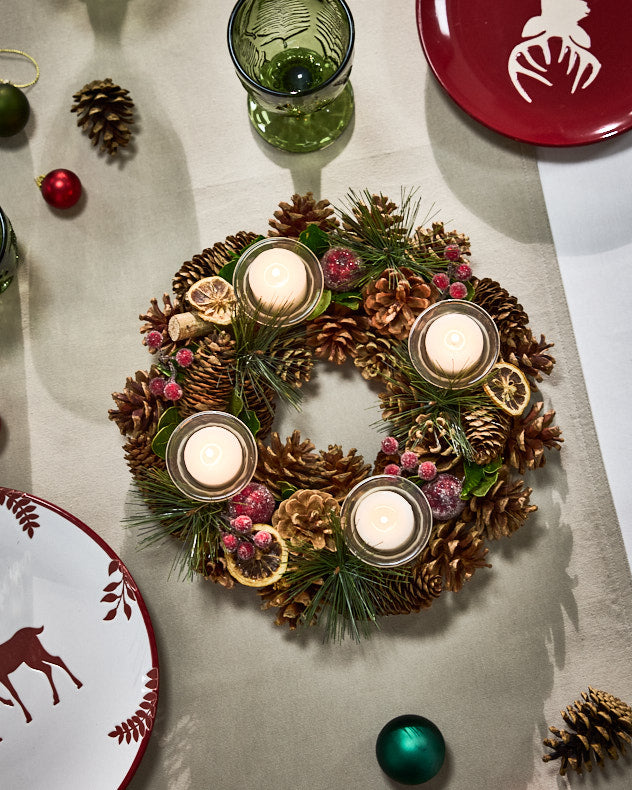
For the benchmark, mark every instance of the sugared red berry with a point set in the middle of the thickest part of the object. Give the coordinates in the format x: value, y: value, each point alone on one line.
x: 392, y: 469
x: 184, y: 357
x: 444, y: 496
x: 230, y: 542
x: 254, y: 500
x: 242, y: 523
x: 246, y: 551
x: 452, y: 252
x: 154, y: 339
x: 458, y: 291
x: 263, y: 539
x: 390, y: 445
x: 157, y: 386
x: 172, y: 390
x: 441, y: 281
x: 427, y: 470
x: 463, y: 271
x: 409, y: 460
x: 341, y: 268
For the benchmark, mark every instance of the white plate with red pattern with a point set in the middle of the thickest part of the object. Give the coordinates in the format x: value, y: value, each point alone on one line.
x: 78, y: 659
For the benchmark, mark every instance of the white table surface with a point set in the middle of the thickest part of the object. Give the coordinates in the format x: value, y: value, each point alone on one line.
x: 588, y: 194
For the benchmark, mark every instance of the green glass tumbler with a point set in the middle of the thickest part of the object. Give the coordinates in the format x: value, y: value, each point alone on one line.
x: 294, y: 58
x: 8, y: 252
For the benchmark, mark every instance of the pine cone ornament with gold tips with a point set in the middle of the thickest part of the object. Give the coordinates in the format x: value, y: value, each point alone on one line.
x: 376, y: 211
x: 207, y: 385
x: 431, y: 242
x: 338, y: 473
x: 429, y: 438
x: 503, y: 509
x: 413, y: 593
x: 486, y: 428
x: 157, y: 319
x: 139, y: 456
x: 337, y: 333
x: 291, y: 219
x: 600, y: 726
x: 529, y: 354
x: 375, y: 357
x: 304, y: 517
x: 394, y: 301
x: 215, y: 570
x: 509, y: 316
x: 138, y: 409
x: 454, y: 552
x: 104, y: 110
x: 530, y: 436
x: 293, y: 360
x: 291, y: 608
x: 209, y: 262
x: 293, y: 461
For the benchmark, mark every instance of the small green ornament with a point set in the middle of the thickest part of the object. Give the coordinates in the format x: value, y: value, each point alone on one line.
x: 410, y: 749
x: 14, y: 110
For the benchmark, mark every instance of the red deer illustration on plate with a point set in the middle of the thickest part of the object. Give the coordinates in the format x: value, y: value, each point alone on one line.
x: 24, y: 647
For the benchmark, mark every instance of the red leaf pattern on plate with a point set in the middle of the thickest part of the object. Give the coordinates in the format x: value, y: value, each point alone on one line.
x: 119, y: 591
x: 22, y: 508
x: 142, y: 720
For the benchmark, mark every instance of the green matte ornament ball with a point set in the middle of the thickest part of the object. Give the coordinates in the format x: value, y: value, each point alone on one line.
x: 14, y: 110
x: 410, y: 749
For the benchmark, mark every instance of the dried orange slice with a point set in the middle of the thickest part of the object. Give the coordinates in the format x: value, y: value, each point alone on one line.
x: 213, y: 298
x: 508, y: 387
x: 265, y: 567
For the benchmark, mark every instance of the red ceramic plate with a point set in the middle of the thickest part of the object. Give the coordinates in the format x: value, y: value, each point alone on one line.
x: 548, y: 72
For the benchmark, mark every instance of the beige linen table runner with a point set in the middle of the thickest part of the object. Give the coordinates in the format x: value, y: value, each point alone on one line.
x: 242, y: 703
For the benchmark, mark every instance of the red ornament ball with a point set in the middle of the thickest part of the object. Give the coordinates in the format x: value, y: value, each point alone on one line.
x: 441, y: 281
x: 254, y: 500
x: 262, y: 539
x: 172, y: 391
x: 444, y: 496
x: 61, y: 188
x: 184, y: 357
x: 341, y: 268
x: 458, y: 291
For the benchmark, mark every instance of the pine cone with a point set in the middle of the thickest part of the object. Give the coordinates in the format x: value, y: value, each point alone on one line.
x: 157, y: 319
x: 411, y: 594
x: 140, y: 457
x: 600, y: 726
x: 208, y: 384
x: 105, y: 111
x: 530, y: 436
x: 217, y: 572
x: 291, y: 609
x: 509, y: 316
x: 304, y: 516
x: 454, y: 552
x: 292, y: 461
x: 262, y: 400
x: 486, y: 429
x: 430, y: 440
x: 375, y: 357
x: 338, y: 473
x: 529, y: 355
x: 337, y: 333
x: 291, y: 219
x: 138, y: 410
x: 503, y: 510
x: 380, y: 212
x: 394, y: 301
x: 431, y: 242
x: 210, y: 261
x: 382, y: 460
x: 293, y: 360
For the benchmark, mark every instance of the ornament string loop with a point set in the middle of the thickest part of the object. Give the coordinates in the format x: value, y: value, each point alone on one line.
x: 28, y: 57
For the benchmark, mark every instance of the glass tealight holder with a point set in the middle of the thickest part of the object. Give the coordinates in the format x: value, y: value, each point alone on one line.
x: 9, y: 258
x: 421, y: 354
x: 295, y: 302
x: 294, y: 58
x: 213, y: 465
x: 386, y: 520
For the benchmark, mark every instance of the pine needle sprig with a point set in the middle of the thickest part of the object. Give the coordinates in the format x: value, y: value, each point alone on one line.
x: 348, y: 595
x: 384, y: 240
x: 443, y: 407
x: 169, y: 512
x: 255, y: 360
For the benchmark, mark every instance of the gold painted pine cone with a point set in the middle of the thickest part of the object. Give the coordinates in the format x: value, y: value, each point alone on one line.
x: 105, y: 111
x: 291, y: 609
x: 375, y: 357
x: 338, y: 473
x: 503, y: 509
x: 486, y: 429
x: 431, y: 242
x: 291, y: 219
x: 394, y: 301
x: 429, y: 439
x: 454, y: 552
x: 293, y: 461
x: 304, y: 517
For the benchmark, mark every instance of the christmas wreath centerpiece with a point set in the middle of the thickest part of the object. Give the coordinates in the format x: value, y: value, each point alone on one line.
x: 464, y: 444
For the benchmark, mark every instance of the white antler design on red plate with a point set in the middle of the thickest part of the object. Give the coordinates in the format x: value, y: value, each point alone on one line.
x: 558, y: 19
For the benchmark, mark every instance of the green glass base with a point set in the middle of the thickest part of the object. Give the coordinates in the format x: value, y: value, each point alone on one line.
x: 302, y: 133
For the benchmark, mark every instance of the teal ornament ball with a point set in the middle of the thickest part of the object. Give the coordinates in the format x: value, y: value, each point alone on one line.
x: 14, y: 110
x: 410, y: 749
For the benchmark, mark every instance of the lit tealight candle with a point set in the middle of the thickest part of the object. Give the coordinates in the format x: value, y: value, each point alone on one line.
x: 454, y: 343
x: 385, y: 520
x: 278, y: 278
x: 213, y: 456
